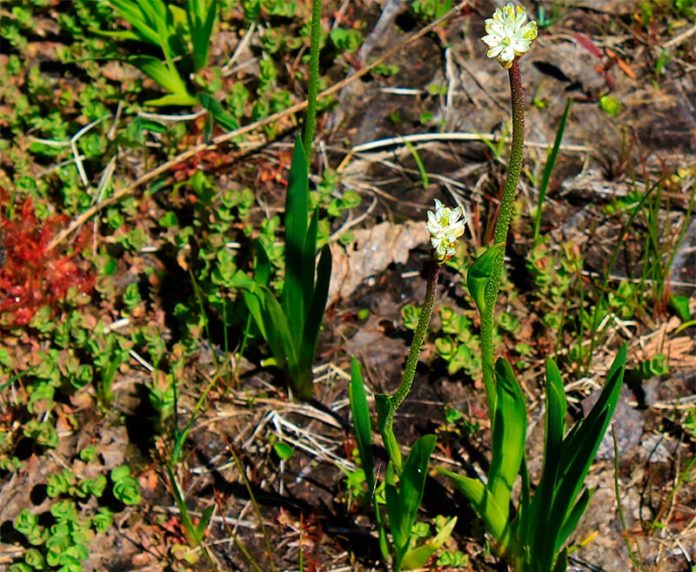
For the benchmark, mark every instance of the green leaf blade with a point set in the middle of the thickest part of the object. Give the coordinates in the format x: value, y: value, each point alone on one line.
x: 581, y: 444
x: 483, y: 503
x: 479, y: 275
x: 296, y: 220
x: 317, y: 307
x: 361, y: 422
x: 540, y: 512
x: 411, y: 487
x: 385, y: 413
x: 509, y: 435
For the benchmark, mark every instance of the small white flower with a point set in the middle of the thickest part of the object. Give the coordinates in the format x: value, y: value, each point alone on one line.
x: 509, y: 35
x: 445, y: 226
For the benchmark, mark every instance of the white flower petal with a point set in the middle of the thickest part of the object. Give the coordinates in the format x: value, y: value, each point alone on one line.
x: 507, y: 54
x: 509, y: 34
x: 445, y: 226
x: 493, y: 52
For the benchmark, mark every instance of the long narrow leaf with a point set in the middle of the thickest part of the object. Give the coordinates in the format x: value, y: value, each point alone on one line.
x: 524, y: 523
x: 200, y: 15
x: 411, y: 486
x: 317, y: 306
x: 556, y: 408
x: 606, y: 398
x: 561, y: 562
x: 509, y: 435
x: 361, y: 421
x: 483, y: 503
x: 171, y: 99
x: 279, y: 330
x: 394, y: 512
x: 296, y: 219
x: 167, y: 78
x: 134, y: 15
x: 573, y: 519
x: 262, y: 270
x: 272, y: 325
x: 581, y: 445
x: 224, y: 118
x: 309, y: 256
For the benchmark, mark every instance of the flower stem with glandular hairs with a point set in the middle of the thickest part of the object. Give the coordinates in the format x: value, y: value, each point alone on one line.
x: 502, y: 226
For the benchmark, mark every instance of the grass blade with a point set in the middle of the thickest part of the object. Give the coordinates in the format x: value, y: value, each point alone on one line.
x: 548, y: 169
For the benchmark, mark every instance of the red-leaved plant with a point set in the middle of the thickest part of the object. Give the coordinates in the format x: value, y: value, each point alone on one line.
x: 32, y: 275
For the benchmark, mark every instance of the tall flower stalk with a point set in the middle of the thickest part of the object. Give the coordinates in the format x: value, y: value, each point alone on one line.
x: 534, y: 537
x: 404, y: 480
x: 509, y: 35
x: 311, y: 116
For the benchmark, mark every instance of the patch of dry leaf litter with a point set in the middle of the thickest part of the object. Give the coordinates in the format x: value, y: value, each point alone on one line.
x: 372, y: 252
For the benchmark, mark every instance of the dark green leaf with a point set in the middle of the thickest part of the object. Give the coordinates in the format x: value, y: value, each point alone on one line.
x: 573, y: 518
x: 262, y: 271
x: 317, y: 306
x: 309, y: 256
x: 273, y: 326
x: 561, y: 562
x: 296, y: 219
x: 581, y: 444
x: 361, y: 422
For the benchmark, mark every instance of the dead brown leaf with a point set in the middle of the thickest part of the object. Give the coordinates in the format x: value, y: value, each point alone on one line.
x: 372, y: 252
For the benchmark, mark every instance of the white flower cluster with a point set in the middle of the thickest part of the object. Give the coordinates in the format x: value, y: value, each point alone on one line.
x: 445, y: 226
x: 509, y: 35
